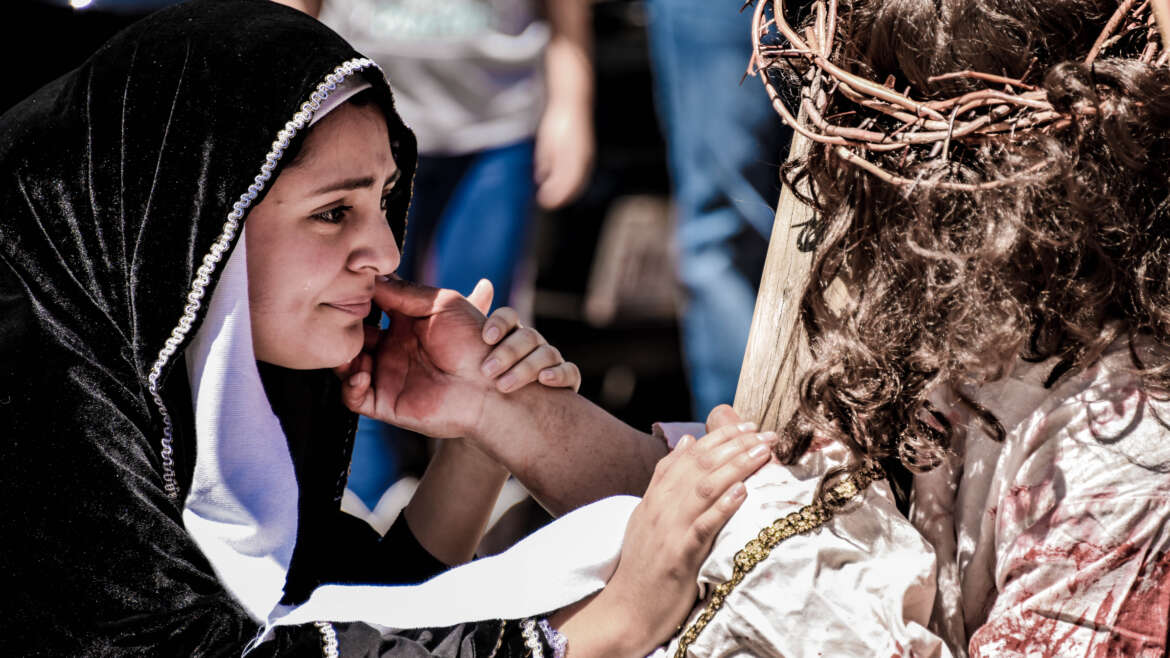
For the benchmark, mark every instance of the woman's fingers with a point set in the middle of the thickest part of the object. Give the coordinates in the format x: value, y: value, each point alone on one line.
x: 526, y: 371
x: 722, y: 415
x: 720, y: 453
x: 708, y: 524
x: 731, y: 463
x: 707, y: 470
x: 726, y: 433
x: 694, y: 491
x: 501, y: 322
x: 562, y: 375
x: 522, y: 355
x: 706, y: 451
x: 512, y: 350
x: 716, y: 469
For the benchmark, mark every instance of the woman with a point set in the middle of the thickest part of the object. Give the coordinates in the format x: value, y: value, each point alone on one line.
x: 172, y: 386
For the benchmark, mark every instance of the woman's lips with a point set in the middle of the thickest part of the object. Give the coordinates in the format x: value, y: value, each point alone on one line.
x: 359, y: 308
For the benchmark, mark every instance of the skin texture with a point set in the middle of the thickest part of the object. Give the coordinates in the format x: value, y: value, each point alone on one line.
x: 319, y: 240
x: 314, y: 257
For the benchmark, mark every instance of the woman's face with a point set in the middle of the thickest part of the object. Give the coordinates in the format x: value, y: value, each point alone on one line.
x: 319, y: 239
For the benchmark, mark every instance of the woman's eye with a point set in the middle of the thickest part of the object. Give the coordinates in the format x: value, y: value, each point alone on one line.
x: 333, y: 215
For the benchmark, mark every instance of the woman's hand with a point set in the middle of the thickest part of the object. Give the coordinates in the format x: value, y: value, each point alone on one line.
x: 426, y: 372
x: 693, y: 493
x: 522, y: 355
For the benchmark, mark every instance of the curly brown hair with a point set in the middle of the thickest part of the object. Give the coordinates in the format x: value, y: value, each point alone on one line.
x: 947, y: 288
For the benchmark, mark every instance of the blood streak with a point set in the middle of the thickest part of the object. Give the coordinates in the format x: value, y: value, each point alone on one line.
x: 1141, y: 625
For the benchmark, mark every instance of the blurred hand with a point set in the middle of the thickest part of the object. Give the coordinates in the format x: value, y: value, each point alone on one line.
x: 564, y: 153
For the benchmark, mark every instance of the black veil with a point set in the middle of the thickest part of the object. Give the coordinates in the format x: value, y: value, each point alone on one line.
x: 123, y: 185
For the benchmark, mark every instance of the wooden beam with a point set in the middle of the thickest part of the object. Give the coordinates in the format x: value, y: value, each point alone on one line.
x: 1162, y: 17
x: 777, y: 350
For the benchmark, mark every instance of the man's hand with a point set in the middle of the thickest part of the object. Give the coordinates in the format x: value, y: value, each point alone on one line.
x: 423, y: 373
x: 432, y: 369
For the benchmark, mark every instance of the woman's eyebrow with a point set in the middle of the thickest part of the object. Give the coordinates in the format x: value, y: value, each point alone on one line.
x: 356, y: 183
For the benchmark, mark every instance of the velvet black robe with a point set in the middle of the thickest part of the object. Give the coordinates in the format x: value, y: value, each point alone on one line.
x: 115, y: 181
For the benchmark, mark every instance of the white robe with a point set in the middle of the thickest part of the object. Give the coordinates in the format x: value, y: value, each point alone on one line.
x: 1055, y: 542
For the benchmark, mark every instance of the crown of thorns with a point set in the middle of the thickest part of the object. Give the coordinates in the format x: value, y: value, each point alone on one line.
x: 1005, y: 108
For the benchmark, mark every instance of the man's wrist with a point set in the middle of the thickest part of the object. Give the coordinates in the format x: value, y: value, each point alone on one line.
x: 466, y: 456
x: 498, y: 415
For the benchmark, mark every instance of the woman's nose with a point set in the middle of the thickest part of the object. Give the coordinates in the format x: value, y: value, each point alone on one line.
x: 376, y: 248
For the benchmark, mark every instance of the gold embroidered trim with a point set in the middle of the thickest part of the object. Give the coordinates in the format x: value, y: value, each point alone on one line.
x: 808, y: 518
x: 500, y: 639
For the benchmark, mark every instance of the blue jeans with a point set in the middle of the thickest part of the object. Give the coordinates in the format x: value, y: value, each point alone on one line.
x: 725, y: 144
x: 470, y: 215
x: 475, y: 212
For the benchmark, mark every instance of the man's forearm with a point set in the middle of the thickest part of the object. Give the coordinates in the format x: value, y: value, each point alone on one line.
x: 567, y: 451
x: 568, y: 59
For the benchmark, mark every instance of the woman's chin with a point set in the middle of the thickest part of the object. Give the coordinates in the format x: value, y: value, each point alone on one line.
x: 328, y: 353
x: 347, y: 350
x: 349, y: 355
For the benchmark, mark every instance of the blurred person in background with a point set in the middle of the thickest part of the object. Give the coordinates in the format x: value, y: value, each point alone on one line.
x: 500, y: 95
x: 724, y: 148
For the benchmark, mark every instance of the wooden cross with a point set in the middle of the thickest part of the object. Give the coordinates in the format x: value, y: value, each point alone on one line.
x: 777, y: 350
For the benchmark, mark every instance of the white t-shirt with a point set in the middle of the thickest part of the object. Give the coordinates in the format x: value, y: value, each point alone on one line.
x: 467, y: 74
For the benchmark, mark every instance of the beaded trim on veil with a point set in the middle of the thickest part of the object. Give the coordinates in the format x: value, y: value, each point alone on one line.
x: 326, y: 95
x: 223, y: 244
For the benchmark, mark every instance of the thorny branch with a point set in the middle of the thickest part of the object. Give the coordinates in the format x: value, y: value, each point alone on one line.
x: 1004, y: 109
